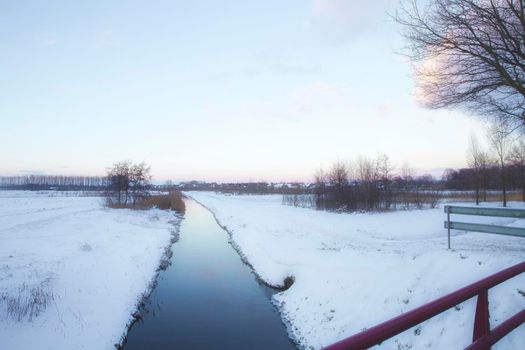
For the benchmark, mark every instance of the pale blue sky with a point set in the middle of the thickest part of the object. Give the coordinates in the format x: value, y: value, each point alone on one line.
x: 213, y: 90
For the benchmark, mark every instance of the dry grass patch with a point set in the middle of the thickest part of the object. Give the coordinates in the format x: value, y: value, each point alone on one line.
x: 172, y: 200
x: 513, y: 196
x: 28, y: 301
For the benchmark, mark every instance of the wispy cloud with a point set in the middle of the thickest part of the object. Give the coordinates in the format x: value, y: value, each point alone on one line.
x: 47, y: 39
x: 290, y: 69
x: 106, y: 39
x: 320, y: 97
x: 344, y: 20
x: 282, y: 62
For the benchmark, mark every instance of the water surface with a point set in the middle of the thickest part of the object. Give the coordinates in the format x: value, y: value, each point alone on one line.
x: 207, y: 298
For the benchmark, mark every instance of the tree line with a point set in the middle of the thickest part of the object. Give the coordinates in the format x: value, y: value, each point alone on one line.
x: 483, y: 181
x: 48, y: 182
x: 500, y: 166
x: 260, y: 187
x: 368, y: 184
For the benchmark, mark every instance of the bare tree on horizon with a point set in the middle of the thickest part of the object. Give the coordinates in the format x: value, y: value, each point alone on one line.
x: 475, y: 161
x: 498, y: 135
x: 128, y: 182
x: 517, y: 156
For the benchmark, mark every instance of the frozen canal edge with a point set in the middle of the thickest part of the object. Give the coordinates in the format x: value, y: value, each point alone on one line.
x: 208, y: 281
x: 164, y: 262
x: 94, y: 264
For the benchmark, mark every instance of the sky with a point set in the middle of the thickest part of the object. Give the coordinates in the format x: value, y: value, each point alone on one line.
x: 213, y: 90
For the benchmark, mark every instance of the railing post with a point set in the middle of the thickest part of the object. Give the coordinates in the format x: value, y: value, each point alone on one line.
x: 481, y: 320
x: 447, y: 208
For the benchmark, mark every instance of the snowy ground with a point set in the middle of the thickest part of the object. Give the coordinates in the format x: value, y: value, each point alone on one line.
x: 72, y: 271
x: 353, y: 271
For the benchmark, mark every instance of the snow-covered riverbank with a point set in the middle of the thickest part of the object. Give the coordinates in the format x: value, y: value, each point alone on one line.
x: 71, y: 271
x: 353, y: 271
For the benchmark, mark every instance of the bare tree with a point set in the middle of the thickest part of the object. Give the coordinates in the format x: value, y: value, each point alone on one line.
x: 486, y: 162
x: 385, y: 167
x: 338, y: 175
x: 475, y: 160
x: 385, y: 170
x: 320, y: 178
x: 366, y: 175
x: 517, y: 156
x: 366, y: 169
x: 338, y: 179
x: 499, y: 137
x: 139, y: 182
x: 118, y: 181
x: 406, y: 172
x: 128, y: 182
x: 469, y: 54
x: 169, y: 185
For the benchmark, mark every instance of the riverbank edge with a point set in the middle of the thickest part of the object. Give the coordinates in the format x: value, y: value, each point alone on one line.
x: 287, y: 283
x: 164, y: 262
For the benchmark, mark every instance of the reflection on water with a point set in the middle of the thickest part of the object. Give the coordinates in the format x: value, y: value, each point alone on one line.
x: 207, y: 298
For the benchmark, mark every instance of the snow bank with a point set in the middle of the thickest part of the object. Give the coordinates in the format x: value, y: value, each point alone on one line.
x: 72, y: 271
x: 353, y: 271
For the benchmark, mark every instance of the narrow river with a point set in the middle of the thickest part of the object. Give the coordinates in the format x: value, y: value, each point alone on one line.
x: 207, y: 298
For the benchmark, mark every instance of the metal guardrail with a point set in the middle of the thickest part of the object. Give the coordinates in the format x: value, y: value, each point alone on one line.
x: 480, y: 211
x: 483, y: 337
x: 477, y: 211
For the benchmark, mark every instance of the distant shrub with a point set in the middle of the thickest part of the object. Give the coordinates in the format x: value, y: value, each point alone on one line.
x: 86, y: 247
x: 299, y: 200
x: 172, y: 200
x: 352, y: 198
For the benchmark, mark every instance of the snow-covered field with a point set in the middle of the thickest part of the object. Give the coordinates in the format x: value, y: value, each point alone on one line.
x: 353, y: 271
x: 72, y: 271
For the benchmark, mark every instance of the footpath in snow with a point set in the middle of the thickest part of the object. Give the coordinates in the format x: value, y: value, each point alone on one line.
x: 353, y: 271
x: 72, y: 271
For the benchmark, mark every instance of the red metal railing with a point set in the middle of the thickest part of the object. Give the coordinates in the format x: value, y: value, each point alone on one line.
x: 483, y: 337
